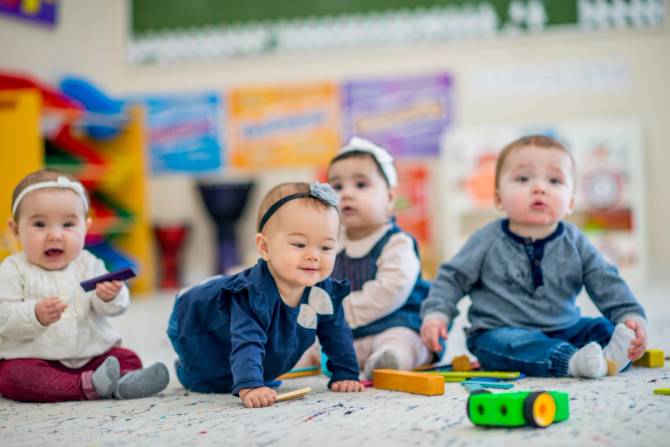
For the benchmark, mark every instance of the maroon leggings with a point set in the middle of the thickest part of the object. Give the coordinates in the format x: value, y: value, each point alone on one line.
x: 37, y: 380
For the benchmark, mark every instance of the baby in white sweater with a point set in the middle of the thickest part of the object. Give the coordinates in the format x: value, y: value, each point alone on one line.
x: 55, y: 341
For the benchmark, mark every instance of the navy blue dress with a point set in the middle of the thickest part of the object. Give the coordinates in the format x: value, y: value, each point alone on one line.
x: 235, y: 332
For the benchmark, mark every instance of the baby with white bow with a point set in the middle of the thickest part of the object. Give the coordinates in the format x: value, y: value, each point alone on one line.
x: 238, y: 333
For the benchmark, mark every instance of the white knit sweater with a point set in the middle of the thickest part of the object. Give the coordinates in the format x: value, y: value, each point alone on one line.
x: 82, y: 332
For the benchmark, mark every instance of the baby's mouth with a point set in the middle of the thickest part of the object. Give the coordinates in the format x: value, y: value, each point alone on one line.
x: 53, y: 252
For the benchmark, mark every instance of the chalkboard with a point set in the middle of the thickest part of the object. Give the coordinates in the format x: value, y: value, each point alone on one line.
x: 160, y: 15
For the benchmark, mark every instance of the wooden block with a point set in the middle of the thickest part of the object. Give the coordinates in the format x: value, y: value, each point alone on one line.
x: 662, y: 391
x: 301, y: 372
x: 408, y: 381
x: 496, y: 385
x: 652, y: 358
x: 297, y: 394
x: 472, y: 386
x: 461, y: 363
x: 467, y: 374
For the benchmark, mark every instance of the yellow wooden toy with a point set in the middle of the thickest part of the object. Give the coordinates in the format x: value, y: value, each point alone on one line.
x: 408, y: 381
x: 652, y: 358
x: 297, y: 394
x: 301, y: 372
x: 461, y: 363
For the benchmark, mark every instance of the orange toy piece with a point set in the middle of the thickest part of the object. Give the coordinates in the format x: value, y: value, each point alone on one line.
x: 408, y: 381
x: 461, y: 363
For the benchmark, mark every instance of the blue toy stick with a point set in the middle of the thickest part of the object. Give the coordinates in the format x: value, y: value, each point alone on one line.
x: 119, y: 275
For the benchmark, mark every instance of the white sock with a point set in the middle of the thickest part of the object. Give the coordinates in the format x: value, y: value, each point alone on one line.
x: 617, y: 349
x: 588, y: 362
x: 386, y: 359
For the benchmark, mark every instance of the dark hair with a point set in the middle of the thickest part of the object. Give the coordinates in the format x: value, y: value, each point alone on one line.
x: 539, y: 141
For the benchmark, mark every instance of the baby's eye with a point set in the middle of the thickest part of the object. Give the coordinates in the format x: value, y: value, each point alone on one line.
x: 336, y: 186
x: 298, y: 244
x: 522, y: 178
x: 361, y: 185
x: 39, y: 224
x: 326, y: 248
x: 69, y: 224
x: 556, y: 181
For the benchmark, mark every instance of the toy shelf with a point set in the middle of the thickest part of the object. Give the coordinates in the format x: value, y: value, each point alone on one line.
x: 20, y: 152
x: 114, y: 172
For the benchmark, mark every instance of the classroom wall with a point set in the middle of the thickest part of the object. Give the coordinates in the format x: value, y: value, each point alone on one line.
x: 89, y: 41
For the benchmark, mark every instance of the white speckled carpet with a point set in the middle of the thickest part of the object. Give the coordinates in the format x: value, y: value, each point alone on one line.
x: 614, y: 411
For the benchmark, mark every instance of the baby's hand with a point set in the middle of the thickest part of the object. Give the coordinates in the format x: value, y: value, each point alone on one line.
x: 258, y: 397
x: 347, y: 386
x: 49, y: 310
x: 639, y: 343
x: 431, y: 331
x: 108, y: 290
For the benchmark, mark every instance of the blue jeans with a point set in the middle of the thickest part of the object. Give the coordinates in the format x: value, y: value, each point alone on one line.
x: 534, y: 352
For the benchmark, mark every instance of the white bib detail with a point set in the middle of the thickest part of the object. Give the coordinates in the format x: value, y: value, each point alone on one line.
x: 319, y: 302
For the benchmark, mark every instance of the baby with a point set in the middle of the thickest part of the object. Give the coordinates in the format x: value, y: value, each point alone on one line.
x: 55, y: 341
x: 523, y: 274
x: 236, y: 334
x: 379, y: 259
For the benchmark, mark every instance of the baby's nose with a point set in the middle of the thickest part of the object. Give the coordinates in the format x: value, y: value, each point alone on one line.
x: 539, y: 188
x: 55, y: 233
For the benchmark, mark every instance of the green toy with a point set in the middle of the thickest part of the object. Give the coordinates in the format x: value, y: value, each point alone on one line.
x: 515, y: 409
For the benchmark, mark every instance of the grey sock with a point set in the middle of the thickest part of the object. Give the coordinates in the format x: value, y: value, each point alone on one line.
x: 106, y: 377
x: 386, y: 359
x: 143, y: 382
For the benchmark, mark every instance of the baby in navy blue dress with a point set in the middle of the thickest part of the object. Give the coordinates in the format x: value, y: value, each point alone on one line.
x: 235, y: 334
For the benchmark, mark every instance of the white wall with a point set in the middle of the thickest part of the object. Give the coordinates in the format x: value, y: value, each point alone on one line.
x: 89, y: 41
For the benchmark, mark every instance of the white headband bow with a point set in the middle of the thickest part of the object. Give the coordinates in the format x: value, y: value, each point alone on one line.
x: 381, y: 155
x: 60, y: 182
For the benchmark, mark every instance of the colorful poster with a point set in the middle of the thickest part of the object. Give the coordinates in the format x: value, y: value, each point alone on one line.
x: 283, y: 126
x: 42, y: 12
x: 412, y: 207
x: 406, y: 115
x: 184, y: 133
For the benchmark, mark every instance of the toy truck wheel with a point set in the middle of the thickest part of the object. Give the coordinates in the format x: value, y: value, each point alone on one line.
x: 467, y: 403
x: 539, y: 409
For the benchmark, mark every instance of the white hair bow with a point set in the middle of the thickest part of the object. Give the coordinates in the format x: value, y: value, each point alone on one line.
x: 318, y: 303
x: 384, y: 159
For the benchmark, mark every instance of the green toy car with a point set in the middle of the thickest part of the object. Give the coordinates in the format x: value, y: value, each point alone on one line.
x: 515, y: 409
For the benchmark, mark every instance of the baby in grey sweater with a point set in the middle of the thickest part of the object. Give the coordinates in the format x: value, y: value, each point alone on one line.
x: 523, y: 275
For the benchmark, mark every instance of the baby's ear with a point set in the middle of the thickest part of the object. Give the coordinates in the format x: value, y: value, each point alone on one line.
x: 13, y: 226
x: 392, y: 196
x: 497, y: 202
x: 262, y: 246
x: 571, y: 206
x: 89, y: 221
